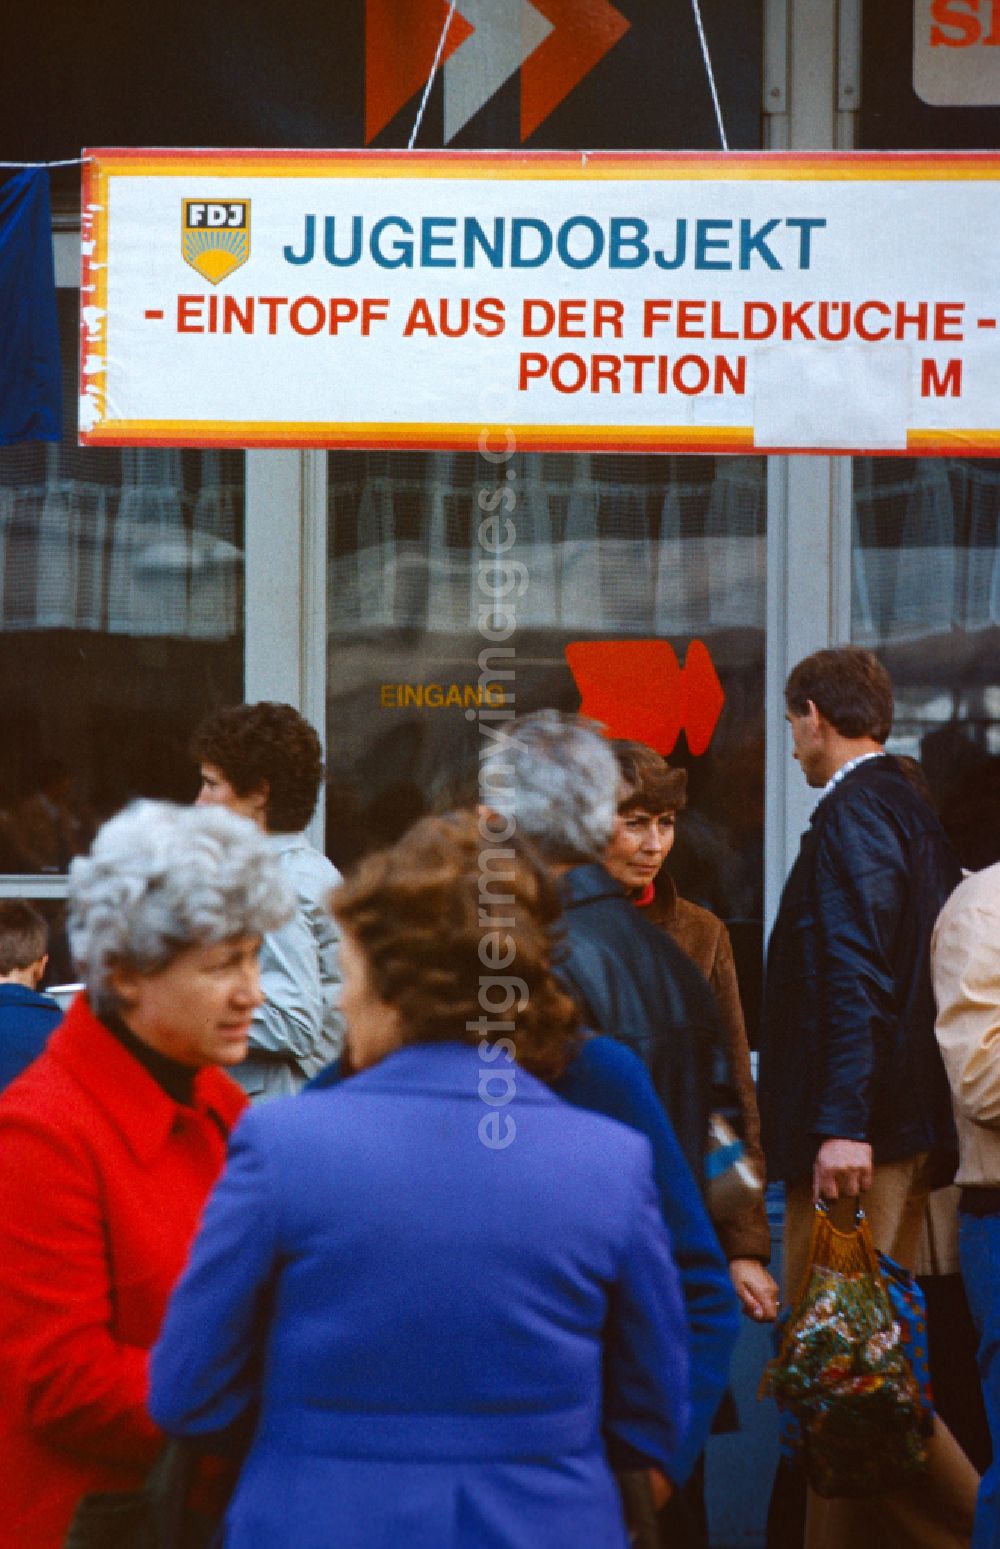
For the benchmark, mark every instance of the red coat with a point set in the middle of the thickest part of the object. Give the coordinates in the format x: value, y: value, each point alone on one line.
x: 102, y: 1182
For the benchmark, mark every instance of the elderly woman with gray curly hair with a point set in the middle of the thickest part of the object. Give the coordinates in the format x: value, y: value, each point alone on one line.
x: 110, y: 1143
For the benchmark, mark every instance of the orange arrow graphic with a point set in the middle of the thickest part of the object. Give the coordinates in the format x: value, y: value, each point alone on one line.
x: 639, y: 690
x: 401, y: 39
x: 583, y: 32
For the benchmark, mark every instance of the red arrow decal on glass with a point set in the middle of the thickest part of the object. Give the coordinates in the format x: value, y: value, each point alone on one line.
x: 639, y: 690
x: 583, y: 32
x: 401, y: 39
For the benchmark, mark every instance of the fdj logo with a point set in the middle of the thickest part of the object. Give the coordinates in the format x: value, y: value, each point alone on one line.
x: 215, y: 236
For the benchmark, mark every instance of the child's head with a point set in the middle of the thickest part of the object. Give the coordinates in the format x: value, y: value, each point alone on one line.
x: 24, y: 942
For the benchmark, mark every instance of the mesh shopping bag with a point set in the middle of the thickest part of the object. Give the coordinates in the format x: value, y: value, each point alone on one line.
x: 851, y: 1407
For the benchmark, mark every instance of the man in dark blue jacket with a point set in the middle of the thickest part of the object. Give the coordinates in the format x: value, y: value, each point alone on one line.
x: 26, y: 1018
x: 853, y: 1095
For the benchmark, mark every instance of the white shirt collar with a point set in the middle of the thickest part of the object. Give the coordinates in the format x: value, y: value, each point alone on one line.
x: 845, y: 769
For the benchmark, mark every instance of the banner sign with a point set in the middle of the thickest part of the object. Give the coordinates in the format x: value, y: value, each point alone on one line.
x: 684, y: 302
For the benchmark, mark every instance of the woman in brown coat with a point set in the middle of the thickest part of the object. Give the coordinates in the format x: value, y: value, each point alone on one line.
x: 651, y: 796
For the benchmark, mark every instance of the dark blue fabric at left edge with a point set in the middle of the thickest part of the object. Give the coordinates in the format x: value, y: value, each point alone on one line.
x: 30, y: 381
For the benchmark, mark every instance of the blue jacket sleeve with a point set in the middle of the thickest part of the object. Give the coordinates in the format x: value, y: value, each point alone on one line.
x: 608, y: 1078
x: 861, y: 888
x: 205, y: 1367
x: 646, y: 1396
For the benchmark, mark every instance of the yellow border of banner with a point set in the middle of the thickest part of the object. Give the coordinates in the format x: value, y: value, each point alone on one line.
x: 392, y: 436
x: 736, y: 166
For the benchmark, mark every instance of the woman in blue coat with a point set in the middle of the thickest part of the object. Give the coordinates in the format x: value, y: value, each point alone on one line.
x: 443, y: 1299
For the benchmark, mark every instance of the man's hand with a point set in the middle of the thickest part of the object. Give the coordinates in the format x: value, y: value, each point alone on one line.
x: 755, y: 1288
x: 842, y: 1169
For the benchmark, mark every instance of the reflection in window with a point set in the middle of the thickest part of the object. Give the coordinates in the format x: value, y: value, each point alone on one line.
x: 607, y: 547
x: 926, y: 596
x: 633, y: 555
x: 121, y: 623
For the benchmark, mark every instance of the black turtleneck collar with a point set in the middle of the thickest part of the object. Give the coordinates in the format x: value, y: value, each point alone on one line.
x: 175, y: 1079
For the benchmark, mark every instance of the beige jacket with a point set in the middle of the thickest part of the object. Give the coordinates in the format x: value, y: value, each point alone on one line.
x: 965, y: 963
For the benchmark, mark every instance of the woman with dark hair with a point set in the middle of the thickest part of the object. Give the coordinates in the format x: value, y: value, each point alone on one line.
x: 651, y: 795
x: 111, y: 1141
x: 443, y: 1294
x: 264, y: 761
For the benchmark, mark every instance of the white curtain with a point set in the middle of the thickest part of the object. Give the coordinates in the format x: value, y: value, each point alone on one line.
x: 596, y: 555
x: 72, y: 534
x: 736, y: 547
x: 143, y: 558
x: 906, y: 583
x: 982, y: 585
x: 216, y: 563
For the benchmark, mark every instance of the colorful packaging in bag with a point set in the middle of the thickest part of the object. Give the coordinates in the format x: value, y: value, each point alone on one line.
x: 843, y: 1373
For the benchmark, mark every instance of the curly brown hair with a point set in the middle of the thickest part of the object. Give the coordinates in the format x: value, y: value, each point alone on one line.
x: 265, y: 743
x: 449, y: 916
x: 648, y: 782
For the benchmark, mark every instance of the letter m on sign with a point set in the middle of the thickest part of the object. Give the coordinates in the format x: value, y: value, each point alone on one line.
x: 940, y: 382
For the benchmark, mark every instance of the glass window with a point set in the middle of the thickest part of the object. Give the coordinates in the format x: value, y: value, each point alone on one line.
x: 316, y: 75
x: 926, y: 597
x: 925, y: 552
x: 121, y: 623
x: 894, y: 116
x: 612, y: 547
x: 605, y: 548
